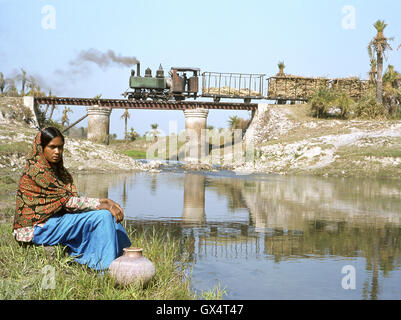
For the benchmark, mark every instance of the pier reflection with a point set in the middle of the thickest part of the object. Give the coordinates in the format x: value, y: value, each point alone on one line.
x: 194, y: 199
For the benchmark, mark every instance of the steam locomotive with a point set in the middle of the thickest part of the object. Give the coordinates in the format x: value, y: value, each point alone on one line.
x: 177, y: 86
x: 183, y: 83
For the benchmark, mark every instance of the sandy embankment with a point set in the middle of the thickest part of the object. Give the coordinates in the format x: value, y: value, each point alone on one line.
x: 80, y: 156
x: 284, y: 140
x: 287, y: 140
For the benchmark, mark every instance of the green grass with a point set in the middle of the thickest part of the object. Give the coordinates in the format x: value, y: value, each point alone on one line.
x: 138, y: 149
x: 8, y: 187
x: 20, y: 147
x: 136, y: 154
x: 28, y: 272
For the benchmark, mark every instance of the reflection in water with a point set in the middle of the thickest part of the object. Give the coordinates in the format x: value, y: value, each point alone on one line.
x: 124, y: 195
x: 154, y: 184
x: 282, y: 219
x: 194, y: 199
x: 93, y: 186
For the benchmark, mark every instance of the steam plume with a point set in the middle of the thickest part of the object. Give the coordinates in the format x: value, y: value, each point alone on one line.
x: 103, y: 60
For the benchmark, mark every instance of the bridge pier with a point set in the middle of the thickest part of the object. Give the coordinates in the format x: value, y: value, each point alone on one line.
x: 98, y: 123
x: 195, y: 127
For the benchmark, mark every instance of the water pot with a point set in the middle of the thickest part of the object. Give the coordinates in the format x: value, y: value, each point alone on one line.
x: 131, y: 267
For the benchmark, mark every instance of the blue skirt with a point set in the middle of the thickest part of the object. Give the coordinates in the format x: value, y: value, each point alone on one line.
x: 93, y: 237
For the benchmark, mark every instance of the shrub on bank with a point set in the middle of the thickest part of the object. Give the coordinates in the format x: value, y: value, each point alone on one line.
x: 325, y: 100
x: 368, y: 108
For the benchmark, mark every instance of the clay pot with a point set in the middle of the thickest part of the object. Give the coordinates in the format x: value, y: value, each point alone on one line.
x: 132, y: 267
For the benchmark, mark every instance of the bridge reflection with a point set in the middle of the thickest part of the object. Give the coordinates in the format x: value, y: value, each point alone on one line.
x: 289, y: 218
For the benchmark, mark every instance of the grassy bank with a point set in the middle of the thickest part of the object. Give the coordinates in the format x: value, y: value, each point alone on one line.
x: 28, y: 272
x: 373, y: 157
x: 134, y: 149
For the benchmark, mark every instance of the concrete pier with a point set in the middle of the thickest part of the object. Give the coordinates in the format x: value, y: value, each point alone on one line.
x: 195, y: 125
x: 98, y: 124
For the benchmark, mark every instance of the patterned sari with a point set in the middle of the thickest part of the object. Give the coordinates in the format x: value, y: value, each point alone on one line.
x: 43, y: 190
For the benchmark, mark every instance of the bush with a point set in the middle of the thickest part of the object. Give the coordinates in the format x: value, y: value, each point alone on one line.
x: 344, y: 103
x: 321, y: 101
x: 368, y: 108
x: 132, y: 135
x: 51, y: 123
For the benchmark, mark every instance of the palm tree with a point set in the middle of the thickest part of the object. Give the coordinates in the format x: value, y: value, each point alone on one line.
x: 11, y: 88
x: 154, y: 131
x: 281, y: 67
x: 31, y: 85
x: 23, y: 79
x: 133, y: 134
x: 234, y: 122
x: 126, y: 116
x: 34, y: 87
x: 373, y: 65
x: 391, y: 86
x: 2, y: 82
x: 380, y: 45
x: 390, y: 75
x: 65, y: 120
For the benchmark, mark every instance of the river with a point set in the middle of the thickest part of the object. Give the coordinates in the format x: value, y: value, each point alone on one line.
x: 271, y: 236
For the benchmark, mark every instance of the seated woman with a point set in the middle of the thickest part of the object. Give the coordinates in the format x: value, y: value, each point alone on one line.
x: 49, y: 210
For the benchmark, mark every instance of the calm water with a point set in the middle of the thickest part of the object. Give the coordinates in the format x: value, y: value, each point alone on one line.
x: 272, y: 237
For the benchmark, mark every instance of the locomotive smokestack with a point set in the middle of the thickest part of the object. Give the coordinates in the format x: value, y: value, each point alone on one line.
x: 138, y: 69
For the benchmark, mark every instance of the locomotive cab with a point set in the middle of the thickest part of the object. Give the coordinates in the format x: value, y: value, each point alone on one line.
x: 183, y: 87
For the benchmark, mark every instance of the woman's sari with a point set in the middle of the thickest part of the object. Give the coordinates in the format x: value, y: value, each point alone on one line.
x: 93, y: 237
x: 43, y: 190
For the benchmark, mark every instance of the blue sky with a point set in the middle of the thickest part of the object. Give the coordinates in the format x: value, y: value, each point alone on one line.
x: 313, y: 38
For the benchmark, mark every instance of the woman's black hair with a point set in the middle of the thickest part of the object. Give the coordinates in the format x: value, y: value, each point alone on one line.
x: 48, y: 135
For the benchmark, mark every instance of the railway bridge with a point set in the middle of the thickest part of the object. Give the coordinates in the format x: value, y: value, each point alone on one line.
x: 99, y: 110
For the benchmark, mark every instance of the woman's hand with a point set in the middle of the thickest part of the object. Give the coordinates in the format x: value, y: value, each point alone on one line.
x: 115, y: 209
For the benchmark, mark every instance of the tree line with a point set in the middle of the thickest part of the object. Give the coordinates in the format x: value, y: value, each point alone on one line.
x: 382, y: 101
x: 29, y: 85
